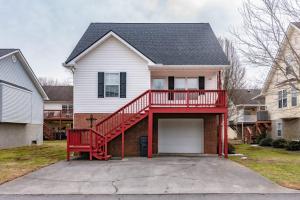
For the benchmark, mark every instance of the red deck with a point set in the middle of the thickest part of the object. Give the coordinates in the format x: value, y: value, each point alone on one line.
x: 145, y: 105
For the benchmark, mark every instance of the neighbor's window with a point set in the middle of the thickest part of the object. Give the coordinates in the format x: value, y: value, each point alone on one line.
x: 112, y: 84
x: 294, y: 95
x: 282, y: 99
x: 279, y: 129
x: 67, y: 108
x: 158, y: 84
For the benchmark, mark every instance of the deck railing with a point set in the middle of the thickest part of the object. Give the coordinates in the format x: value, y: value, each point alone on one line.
x: 188, y: 98
x: 162, y: 98
x: 58, y: 114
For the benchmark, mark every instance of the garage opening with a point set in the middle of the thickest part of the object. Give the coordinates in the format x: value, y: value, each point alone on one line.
x: 181, y: 135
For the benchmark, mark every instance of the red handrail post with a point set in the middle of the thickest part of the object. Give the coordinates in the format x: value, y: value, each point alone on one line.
x: 150, y: 98
x: 68, y: 144
x: 123, y: 134
x: 188, y: 98
x: 91, y: 144
x: 150, y: 133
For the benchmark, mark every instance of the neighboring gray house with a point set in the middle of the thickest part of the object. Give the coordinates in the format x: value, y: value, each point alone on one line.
x: 21, y: 101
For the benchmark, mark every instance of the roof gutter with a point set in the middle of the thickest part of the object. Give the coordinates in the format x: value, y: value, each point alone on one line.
x: 186, y: 67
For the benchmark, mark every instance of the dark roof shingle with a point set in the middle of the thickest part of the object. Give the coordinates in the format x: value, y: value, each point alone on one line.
x: 59, y: 93
x: 245, y: 96
x: 162, y: 43
x: 296, y: 24
x: 3, y: 52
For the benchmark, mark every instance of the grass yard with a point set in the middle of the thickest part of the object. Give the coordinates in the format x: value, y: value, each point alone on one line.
x: 279, y: 165
x: 16, y: 162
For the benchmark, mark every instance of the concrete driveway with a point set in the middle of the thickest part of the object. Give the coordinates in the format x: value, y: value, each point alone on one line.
x: 162, y: 175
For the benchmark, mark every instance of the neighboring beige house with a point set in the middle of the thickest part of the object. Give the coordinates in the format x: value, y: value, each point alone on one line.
x: 281, y: 98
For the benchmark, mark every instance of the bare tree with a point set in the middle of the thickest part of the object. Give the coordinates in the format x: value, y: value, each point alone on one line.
x: 53, y: 82
x: 234, y: 76
x: 263, y: 37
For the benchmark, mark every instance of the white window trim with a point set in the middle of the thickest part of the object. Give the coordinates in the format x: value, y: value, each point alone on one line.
x: 105, y: 85
x: 282, y: 107
x: 294, y: 91
x: 277, y: 129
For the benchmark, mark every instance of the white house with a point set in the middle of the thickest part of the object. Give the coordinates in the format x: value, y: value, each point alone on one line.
x: 21, y: 101
x: 164, y: 75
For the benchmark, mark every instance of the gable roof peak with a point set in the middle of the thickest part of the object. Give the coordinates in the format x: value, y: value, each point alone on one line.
x: 164, y: 43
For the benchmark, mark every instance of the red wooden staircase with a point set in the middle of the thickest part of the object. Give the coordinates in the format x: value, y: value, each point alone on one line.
x: 95, y: 141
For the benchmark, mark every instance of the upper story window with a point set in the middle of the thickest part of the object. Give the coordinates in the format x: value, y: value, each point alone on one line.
x: 112, y: 84
x: 282, y: 99
x: 158, y: 84
x: 192, y: 83
x: 279, y: 129
x: 294, y: 96
x: 186, y: 83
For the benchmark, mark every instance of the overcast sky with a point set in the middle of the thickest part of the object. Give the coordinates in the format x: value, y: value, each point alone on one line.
x: 47, y: 30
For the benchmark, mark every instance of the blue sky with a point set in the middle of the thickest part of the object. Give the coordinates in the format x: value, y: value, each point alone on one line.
x: 47, y: 30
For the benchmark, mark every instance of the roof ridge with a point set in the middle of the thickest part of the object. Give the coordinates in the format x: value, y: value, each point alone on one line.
x: 150, y: 23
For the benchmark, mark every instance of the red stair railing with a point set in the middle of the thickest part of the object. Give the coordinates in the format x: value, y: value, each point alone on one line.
x: 95, y: 142
x: 126, y: 113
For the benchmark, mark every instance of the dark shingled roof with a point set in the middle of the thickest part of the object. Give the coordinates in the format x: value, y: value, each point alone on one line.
x: 245, y: 96
x: 162, y: 43
x: 3, y: 52
x: 59, y: 93
x: 296, y: 24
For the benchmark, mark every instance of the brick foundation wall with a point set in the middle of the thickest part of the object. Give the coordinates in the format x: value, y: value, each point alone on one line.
x: 210, y: 134
x: 132, y: 135
x: 81, y: 122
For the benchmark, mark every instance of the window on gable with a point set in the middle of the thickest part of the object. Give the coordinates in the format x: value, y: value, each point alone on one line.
x: 282, y: 99
x: 294, y: 96
x: 112, y: 84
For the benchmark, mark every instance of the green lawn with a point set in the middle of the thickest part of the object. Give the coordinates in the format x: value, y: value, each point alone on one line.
x: 279, y: 165
x: 16, y: 162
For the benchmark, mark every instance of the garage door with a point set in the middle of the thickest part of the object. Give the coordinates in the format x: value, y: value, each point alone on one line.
x: 180, y: 136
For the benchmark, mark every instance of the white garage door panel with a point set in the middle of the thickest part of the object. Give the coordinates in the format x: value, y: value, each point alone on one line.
x: 180, y: 136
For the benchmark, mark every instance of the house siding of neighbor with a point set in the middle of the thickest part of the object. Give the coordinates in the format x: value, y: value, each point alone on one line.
x: 21, y: 101
x: 249, y: 115
x: 285, y: 120
x: 58, y: 111
x: 133, y: 58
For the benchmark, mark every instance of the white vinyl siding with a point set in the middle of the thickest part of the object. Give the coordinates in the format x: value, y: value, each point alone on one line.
x: 52, y: 106
x: 111, y: 56
x: 15, y: 104
x: 14, y: 72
